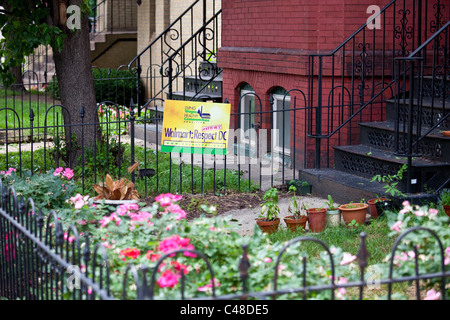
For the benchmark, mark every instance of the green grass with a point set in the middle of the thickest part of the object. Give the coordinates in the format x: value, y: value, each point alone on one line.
x: 377, y: 241
x: 169, y: 175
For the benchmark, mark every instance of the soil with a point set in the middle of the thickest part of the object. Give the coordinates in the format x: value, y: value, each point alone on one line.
x: 191, y: 203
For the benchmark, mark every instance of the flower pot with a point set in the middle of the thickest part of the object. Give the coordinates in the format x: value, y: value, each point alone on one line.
x: 447, y: 210
x: 317, y: 219
x: 293, y: 224
x: 333, y: 218
x: 373, y: 209
x: 354, y: 211
x: 268, y: 226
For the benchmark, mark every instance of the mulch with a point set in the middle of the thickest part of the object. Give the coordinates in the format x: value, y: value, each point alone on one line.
x: 191, y: 203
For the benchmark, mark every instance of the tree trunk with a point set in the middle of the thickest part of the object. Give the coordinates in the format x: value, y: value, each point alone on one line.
x: 76, y: 86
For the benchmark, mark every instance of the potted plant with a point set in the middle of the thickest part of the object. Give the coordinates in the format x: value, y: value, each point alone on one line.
x: 116, y: 192
x: 303, y: 188
x: 296, y: 218
x: 354, y: 213
x: 268, y: 220
x: 378, y: 205
x: 445, y: 201
x: 317, y: 218
x: 333, y: 213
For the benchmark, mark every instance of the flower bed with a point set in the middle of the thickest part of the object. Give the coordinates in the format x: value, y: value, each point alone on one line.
x: 159, y: 237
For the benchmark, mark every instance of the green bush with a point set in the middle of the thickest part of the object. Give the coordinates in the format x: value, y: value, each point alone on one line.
x: 118, y: 86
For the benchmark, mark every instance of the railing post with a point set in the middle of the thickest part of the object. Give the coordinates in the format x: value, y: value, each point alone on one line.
x: 204, y: 30
x: 132, y: 120
x: 319, y: 115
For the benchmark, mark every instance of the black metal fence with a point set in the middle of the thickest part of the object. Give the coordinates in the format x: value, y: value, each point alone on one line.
x: 39, y: 260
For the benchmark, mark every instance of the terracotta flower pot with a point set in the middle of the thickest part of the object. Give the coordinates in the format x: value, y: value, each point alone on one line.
x: 447, y: 210
x: 317, y: 218
x: 372, y: 208
x: 354, y: 211
x: 293, y: 224
x: 268, y: 226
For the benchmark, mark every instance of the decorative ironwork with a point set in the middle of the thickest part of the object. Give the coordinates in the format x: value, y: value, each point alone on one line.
x: 404, y: 32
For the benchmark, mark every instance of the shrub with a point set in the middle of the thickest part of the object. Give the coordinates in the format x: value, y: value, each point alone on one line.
x: 118, y: 86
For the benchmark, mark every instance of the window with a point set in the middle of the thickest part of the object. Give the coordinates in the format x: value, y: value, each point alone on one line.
x: 281, y: 122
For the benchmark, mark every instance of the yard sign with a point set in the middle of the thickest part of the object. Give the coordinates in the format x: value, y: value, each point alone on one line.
x: 195, y: 127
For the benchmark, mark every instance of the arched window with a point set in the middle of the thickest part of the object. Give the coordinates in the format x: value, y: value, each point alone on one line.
x: 281, y: 121
x: 247, y: 108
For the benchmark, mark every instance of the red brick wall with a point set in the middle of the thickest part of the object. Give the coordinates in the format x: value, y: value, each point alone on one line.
x: 266, y: 44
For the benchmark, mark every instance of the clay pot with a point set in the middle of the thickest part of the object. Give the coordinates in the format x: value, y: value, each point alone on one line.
x: 447, y: 210
x: 317, y: 218
x: 372, y: 208
x: 294, y: 224
x: 268, y: 226
x: 354, y: 211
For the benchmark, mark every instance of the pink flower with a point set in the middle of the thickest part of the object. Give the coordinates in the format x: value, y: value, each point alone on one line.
x: 433, y: 213
x: 432, y: 295
x: 168, y: 279
x: 176, y: 243
x: 209, y: 285
x: 58, y: 171
x: 397, y: 226
x: 124, y: 209
x: 447, y: 256
x: 166, y: 199
x: 68, y: 173
x: 267, y: 260
x: 347, y: 258
x: 419, y: 213
x: 176, y: 209
x: 79, y: 201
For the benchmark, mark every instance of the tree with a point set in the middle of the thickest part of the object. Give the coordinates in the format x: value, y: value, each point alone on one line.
x: 26, y: 24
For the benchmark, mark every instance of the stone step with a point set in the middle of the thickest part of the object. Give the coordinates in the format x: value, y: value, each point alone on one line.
x: 381, y: 135
x: 366, y: 162
x: 345, y: 187
x: 432, y: 111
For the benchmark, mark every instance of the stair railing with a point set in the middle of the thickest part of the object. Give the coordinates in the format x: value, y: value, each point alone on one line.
x: 203, y: 48
x: 169, y: 44
x: 423, y: 75
x: 362, y: 72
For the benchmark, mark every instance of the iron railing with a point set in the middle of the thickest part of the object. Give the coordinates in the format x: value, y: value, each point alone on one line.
x: 362, y: 72
x: 175, y: 54
x: 421, y: 103
x: 39, y: 262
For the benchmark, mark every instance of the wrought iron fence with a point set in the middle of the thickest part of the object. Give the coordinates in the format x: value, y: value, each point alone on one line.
x: 264, y: 150
x: 39, y: 260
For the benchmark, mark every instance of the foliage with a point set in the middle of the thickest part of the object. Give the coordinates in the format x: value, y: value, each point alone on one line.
x: 119, y: 86
x: 24, y: 28
x: 121, y: 189
x: 445, y: 198
x: 48, y: 190
x: 419, y: 244
x: 330, y: 203
x: 296, y: 207
x: 391, y: 182
x: 270, y: 209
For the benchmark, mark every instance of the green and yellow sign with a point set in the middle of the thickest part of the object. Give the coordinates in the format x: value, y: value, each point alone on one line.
x: 195, y: 127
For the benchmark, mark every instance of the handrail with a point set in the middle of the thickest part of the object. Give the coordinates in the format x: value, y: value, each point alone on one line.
x: 426, y: 43
x: 162, y: 34
x: 176, y: 52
